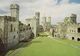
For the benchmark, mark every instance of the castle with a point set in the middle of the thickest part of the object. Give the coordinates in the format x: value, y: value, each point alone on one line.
x: 46, y: 23
x: 35, y: 23
x: 9, y: 29
x: 69, y: 29
x: 12, y: 31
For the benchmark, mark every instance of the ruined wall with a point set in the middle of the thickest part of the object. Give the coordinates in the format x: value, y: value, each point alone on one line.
x: 72, y: 32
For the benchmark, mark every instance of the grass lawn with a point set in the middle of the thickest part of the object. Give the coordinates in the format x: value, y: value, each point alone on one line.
x: 45, y: 46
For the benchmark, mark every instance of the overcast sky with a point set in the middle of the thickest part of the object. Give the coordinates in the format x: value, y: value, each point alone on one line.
x: 57, y: 9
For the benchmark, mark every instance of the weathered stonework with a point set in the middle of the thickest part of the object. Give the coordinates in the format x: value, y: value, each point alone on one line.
x: 35, y: 23
x: 9, y: 26
x: 9, y: 30
x: 46, y: 23
x: 68, y: 29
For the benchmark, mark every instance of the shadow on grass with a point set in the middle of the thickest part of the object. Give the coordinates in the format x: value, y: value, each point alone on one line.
x: 22, y: 45
x: 25, y: 44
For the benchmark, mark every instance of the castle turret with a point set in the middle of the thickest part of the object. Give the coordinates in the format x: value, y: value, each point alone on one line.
x: 37, y: 15
x: 44, y: 23
x: 15, y: 15
x: 44, y: 20
x: 14, y: 10
x: 49, y: 20
x: 73, y: 18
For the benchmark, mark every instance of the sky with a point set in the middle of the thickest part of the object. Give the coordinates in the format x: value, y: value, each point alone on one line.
x: 57, y: 9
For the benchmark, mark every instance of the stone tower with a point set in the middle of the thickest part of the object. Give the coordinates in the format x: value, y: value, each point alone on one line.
x: 37, y: 15
x: 49, y: 20
x: 44, y: 20
x: 73, y: 18
x: 48, y: 24
x: 44, y: 23
x: 15, y: 24
x: 14, y: 11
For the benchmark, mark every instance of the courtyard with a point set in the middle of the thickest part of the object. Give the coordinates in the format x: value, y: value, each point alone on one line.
x: 45, y: 45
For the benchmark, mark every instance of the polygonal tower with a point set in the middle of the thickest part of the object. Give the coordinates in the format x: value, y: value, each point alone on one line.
x: 73, y: 18
x: 37, y: 15
x: 14, y: 11
x: 44, y: 23
x: 44, y: 20
x: 49, y: 20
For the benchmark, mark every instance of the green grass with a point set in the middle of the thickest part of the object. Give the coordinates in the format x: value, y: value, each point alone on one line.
x: 44, y: 46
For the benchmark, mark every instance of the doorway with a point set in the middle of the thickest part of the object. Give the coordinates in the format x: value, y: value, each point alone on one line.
x: 72, y: 38
x: 78, y: 39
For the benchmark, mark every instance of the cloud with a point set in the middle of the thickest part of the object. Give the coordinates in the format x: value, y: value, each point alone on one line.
x: 74, y: 1
x: 57, y: 9
x: 2, y: 11
x: 64, y: 1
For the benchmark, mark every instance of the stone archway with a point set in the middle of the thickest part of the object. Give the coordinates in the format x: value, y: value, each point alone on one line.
x: 78, y: 39
x: 72, y: 38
